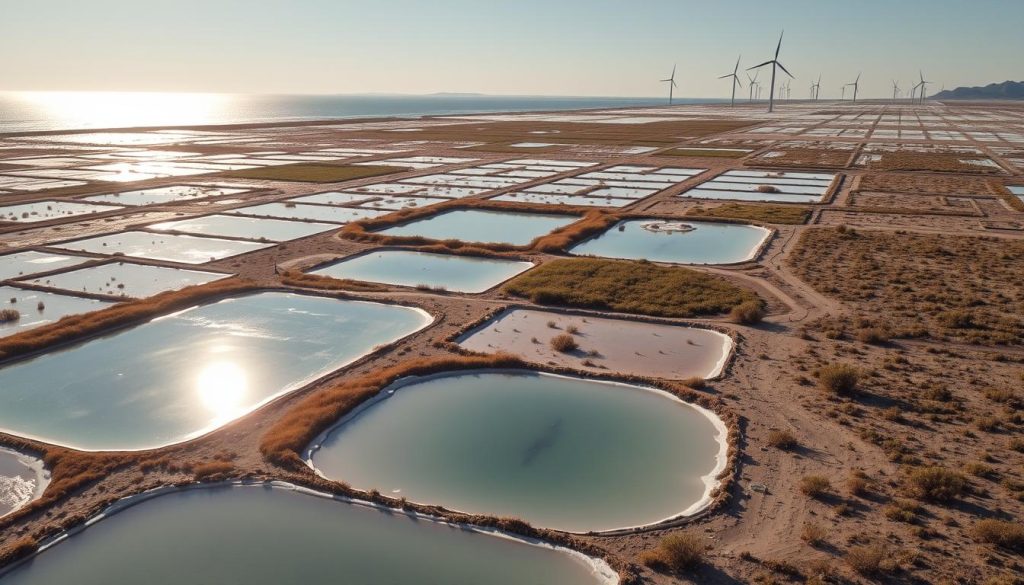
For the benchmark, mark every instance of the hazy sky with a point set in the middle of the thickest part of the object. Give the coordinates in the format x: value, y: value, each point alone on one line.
x: 550, y: 47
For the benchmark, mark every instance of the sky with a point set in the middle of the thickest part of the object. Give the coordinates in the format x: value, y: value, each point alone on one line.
x: 521, y: 47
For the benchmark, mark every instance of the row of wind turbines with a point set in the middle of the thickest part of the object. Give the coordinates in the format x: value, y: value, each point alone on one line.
x: 784, y: 89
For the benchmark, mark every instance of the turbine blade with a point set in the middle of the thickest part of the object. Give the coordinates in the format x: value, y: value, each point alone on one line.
x: 779, y: 46
x: 761, y: 65
x: 784, y: 69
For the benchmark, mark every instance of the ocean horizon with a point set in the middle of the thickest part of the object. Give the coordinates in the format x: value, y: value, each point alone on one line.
x: 57, y: 111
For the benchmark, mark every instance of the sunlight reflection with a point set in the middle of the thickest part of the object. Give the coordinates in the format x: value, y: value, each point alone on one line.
x: 126, y: 109
x: 222, y: 386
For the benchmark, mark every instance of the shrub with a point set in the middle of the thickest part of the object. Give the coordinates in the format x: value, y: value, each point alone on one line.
x: 767, y: 189
x: 1008, y: 535
x: 678, y: 552
x: 9, y: 315
x: 857, y: 484
x: 564, y: 343
x: 813, y: 533
x: 839, y: 378
x: 782, y: 439
x: 866, y: 559
x: 815, y: 486
x: 748, y: 312
x: 873, y: 335
x: 936, y: 484
x: 902, y: 511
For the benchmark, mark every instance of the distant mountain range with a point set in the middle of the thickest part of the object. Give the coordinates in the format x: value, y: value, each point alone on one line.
x: 1007, y: 90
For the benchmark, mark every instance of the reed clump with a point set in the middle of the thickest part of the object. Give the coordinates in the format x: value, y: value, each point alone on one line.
x: 9, y: 315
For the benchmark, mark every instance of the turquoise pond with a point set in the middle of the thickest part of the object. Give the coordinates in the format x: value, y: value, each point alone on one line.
x: 558, y: 452
x: 184, y: 374
x: 677, y: 242
x: 473, y: 225
x: 406, y: 268
x: 261, y: 535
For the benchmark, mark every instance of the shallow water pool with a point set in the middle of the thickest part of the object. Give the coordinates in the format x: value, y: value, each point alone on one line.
x: 474, y: 225
x: 184, y: 374
x: 467, y: 274
x: 705, y: 243
x: 273, y: 536
x: 557, y: 452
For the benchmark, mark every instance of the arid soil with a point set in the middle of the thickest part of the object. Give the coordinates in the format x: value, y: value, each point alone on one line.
x: 876, y: 410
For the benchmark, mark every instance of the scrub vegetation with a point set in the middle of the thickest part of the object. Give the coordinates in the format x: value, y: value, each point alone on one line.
x: 320, y: 282
x: 937, y: 286
x: 779, y: 214
x: 313, y: 173
x: 629, y: 286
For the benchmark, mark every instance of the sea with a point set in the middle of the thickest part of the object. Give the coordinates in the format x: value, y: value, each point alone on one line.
x: 55, y: 111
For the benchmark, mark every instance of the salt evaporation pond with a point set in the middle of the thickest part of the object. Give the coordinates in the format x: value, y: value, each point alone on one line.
x: 184, y: 374
x: 22, y: 479
x: 677, y: 242
x: 466, y: 274
x: 558, y: 452
x: 269, y: 536
x: 474, y: 225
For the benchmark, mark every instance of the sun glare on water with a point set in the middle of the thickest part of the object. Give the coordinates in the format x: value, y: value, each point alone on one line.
x: 88, y: 109
x: 222, y: 387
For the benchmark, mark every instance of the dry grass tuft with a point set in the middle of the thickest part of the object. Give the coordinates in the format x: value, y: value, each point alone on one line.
x: 9, y: 315
x: 838, y: 378
x: 815, y: 486
x: 676, y: 552
x: 564, y: 343
x: 867, y: 559
x: 748, y: 312
x: 1002, y: 533
x: 936, y: 484
x: 782, y: 439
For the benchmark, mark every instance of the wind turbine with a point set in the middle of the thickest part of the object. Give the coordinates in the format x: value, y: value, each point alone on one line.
x: 843, y: 96
x: 895, y: 90
x: 775, y: 64
x: 816, y: 88
x: 735, y: 80
x: 856, y: 86
x: 671, y: 84
x: 923, y: 85
x: 753, y: 83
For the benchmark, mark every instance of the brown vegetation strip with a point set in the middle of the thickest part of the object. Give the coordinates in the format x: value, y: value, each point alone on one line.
x: 629, y: 286
x: 963, y: 288
x: 917, y: 184
x: 778, y: 214
x: 931, y: 161
x: 77, y: 327
x: 805, y: 157
x: 313, y: 173
x: 316, y: 281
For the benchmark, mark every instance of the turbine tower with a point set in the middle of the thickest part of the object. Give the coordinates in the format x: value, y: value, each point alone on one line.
x: 816, y: 88
x: 735, y: 80
x: 671, y: 84
x: 923, y: 85
x: 856, y: 86
x: 843, y: 96
x: 753, y: 84
x: 775, y: 65
x: 895, y: 90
